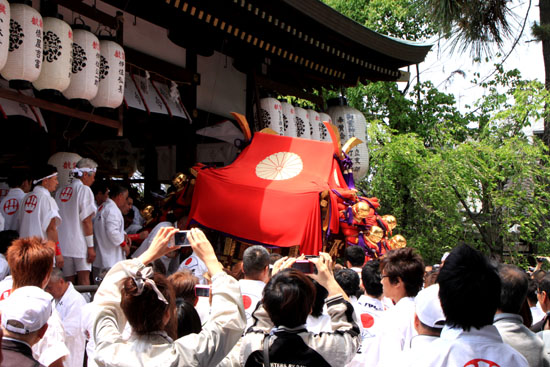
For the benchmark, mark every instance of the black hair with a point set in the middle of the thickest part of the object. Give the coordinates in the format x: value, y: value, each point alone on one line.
x: 117, y: 190
x: 44, y: 171
x: 407, y: 265
x: 370, y: 275
x: 544, y: 285
x: 321, y: 294
x: 349, y: 281
x: 532, y: 291
x: 18, y: 176
x: 100, y: 186
x: 288, y: 298
x: 255, y: 260
x: 469, y: 289
x: 189, y: 321
x: 6, y: 238
x: 355, y: 255
x: 514, y: 284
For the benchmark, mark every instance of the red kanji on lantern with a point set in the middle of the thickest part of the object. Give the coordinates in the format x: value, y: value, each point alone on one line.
x: 70, y: 34
x: 34, y: 21
x: 3, y: 8
x: 95, y: 45
x: 117, y: 54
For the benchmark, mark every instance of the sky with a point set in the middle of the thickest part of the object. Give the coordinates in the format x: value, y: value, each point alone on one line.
x: 527, y: 57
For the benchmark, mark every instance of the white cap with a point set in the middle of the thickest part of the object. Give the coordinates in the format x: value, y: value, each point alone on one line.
x: 26, y: 310
x: 428, y: 307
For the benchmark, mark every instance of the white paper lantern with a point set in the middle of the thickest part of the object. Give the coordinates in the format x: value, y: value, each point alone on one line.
x: 65, y: 162
x: 25, y: 50
x: 57, y: 56
x: 324, y: 134
x: 289, y: 119
x: 271, y: 116
x: 111, y: 75
x: 303, y: 128
x: 314, y: 121
x: 85, y: 67
x: 352, y: 123
x: 4, y: 32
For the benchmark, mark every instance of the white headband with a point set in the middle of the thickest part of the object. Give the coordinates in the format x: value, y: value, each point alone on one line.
x: 80, y: 171
x: 44, y: 178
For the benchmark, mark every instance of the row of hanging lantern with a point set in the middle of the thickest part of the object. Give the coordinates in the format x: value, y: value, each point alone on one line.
x: 288, y: 120
x: 52, y: 55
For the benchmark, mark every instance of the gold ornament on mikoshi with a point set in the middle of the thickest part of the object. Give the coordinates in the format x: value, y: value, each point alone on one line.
x: 179, y: 180
x: 398, y: 241
x: 390, y: 219
x: 376, y: 234
x: 147, y: 212
x: 361, y: 210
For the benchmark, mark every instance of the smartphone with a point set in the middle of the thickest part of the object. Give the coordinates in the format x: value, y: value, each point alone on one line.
x: 305, y: 266
x: 202, y: 290
x: 180, y: 239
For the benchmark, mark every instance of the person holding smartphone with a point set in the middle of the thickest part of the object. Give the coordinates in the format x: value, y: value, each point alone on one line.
x: 131, y: 291
x: 279, y: 334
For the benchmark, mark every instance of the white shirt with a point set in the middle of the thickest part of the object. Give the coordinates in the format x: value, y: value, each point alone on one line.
x: 4, y: 267
x: 2, y: 222
x: 170, y: 263
x: 89, y: 312
x: 468, y: 348
x: 76, y: 203
x: 252, y: 294
x: 370, y: 311
x: 70, y: 310
x: 396, y: 331
x: 108, y: 235
x: 420, y: 345
x: 52, y: 345
x: 197, y: 267
x: 37, y: 212
x: 9, y: 208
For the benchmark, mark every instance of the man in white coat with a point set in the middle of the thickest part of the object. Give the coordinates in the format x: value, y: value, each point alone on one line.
x: 256, y: 275
x: 76, y: 233
x: 20, y: 184
x: 469, y: 290
x: 109, y: 237
x: 69, y: 303
x: 40, y: 214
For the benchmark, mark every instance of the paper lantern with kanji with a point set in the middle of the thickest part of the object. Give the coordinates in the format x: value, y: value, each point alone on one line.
x: 25, y: 49
x: 289, y: 119
x: 314, y: 121
x: 271, y: 116
x: 351, y: 123
x: 85, y: 67
x: 65, y: 162
x: 111, y: 75
x: 57, y: 52
x: 303, y: 128
x: 323, y: 132
x: 4, y: 32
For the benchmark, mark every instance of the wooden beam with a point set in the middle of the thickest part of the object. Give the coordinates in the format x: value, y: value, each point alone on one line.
x: 288, y: 90
x: 166, y: 69
x: 54, y: 107
x: 89, y: 12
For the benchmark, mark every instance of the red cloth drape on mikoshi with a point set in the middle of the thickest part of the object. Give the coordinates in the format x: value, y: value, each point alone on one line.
x: 270, y: 193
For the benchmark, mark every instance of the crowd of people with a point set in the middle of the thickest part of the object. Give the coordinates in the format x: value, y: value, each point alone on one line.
x: 156, y: 307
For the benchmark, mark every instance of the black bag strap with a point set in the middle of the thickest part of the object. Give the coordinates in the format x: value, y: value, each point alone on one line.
x: 266, y: 351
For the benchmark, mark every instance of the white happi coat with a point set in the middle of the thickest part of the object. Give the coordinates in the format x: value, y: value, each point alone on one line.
x: 108, y: 235
x: 37, y: 211
x: 252, y: 294
x: 9, y: 208
x: 474, y: 348
x: 197, y: 267
x: 76, y: 203
x: 70, y: 308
